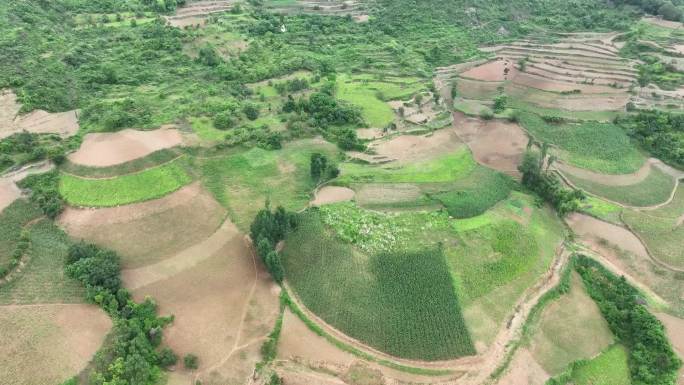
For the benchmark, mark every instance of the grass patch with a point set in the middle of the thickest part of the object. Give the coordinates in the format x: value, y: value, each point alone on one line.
x: 476, y: 193
x: 204, y: 128
x: 655, y: 189
x: 601, y: 147
x: 145, y: 185
x: 375, y: 111
x: 599, y: 116
x: 243, y: 179
x: 609, y: 368
x: 601, y: 209
x: 662, y: 229
x: 447, y: 168
x: 400, y: 302
x: 12, y: 220
x: 43, y: 280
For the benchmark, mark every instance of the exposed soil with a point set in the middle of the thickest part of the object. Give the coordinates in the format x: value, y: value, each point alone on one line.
x: 494, y: 143
x: 108, y: 149
x: 58, y: 340
x: 197, y: 12
x: 332, y: 194
x: 37, y: 121
x: 524, y: 370
x: 386, y: 193
x: 593, y: 232
x: 675, y: 332
x: 224, y: 306
x: 413, y: 148
x: 494, y: 71
x: 145, y: 233
x: 679, y: 48
x: 545, y: 84
x: 9, y: 192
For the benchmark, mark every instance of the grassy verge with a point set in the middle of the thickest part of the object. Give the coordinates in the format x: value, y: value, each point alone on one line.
x: 12, y: 220
x: 655, y: 189
x: 154, y: 159
x: 400, y: 302
x: 146, y: 185
x: 609, y: 368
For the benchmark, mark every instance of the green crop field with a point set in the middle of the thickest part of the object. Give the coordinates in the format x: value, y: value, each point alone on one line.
x: 609, y: 368
x: 653, y: 190
x: 662, y: 229
x: 152, y: 160
x: 600, y: 147
x: 601, y: 209
x: 374, y: 110
x: 43, y: 280
x: 401, y: 302
x: 12, y: 220
x: 141, y: 186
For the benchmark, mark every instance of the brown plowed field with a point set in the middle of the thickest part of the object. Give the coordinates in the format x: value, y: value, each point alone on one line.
x: 332, y: 194
x: 48, y: 344
x: 37, y: 121
x: 594, y: 231
x: 109, y: 149
x: 412, y: 148
x: 494, y: 71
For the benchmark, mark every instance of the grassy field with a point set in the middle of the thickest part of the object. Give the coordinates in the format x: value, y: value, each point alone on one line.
x: 601, y: 209
x: 662, y: 229
x: 600, y: 147
x: 43, y: 280
x: 446, y: 168
x: 570, y: 329
x: 599, y: 116
x: 154, y: 159
x: 655, y: 189
x: 243, y: 180
x: 204, y: 128
x: 401, y: 302
x: 12, y: 219
x: 497, y: 256
x: 145, y: 185
x: 375, y: 111
x: 609, y: 368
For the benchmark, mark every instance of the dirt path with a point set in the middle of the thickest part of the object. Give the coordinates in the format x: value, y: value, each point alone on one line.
x: 9, y: 192
x: 478, y: 368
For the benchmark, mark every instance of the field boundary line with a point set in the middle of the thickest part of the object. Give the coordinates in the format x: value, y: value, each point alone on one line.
x: 655, y: 259
x: 125, y: 174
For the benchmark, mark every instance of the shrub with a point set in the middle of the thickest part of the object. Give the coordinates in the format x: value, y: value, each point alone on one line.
x: 224, y: 121
x: 167, y: 358
x: 190, y: 361
x: 251, y: 111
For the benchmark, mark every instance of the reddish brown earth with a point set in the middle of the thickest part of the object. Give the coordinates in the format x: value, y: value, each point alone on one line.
x: 108, y: 149
x: 332, y: 194
x: 9, y: 192
x: 594, y: 231
x: 494, y: 71
x: 413, y: 148
x: 37, y: 121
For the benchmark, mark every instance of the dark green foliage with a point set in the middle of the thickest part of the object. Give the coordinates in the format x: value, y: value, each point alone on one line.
x: 267, y: 229
x: 190, y: 361
x: 208, y: 56
x: 402, y: 302
x: 661, y: 133
x: 275, y: 380
x: 13, y: 242
x: 45, y: 192
x: 547, y: 185
x: 669, y: 12
x: 224, y: 121
x: 167, y: 358
x: 322, y: 169
x: 500, y: 103
x: 24, y: 147
x: 251, y: 111
x: 651, y: 358
x: 269, y: 349
x: 476, y: 193
x: 132, y: 357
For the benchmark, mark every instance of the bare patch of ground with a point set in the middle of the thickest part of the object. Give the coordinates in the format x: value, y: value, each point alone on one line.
x: 413, y: 148
x: 48, y: 344
x: 524, y: 370
x: 679, y: 48
x: 595, y: 232
x: 675, y: 332
x: 332, y: 194
x: 545, y: 84
x: 37, y: 121
x: 386, y: 193
x: 494, y: 143
x: 108, y: 149
x: 147, y: 232
x: 9, y: 192
x: 224, y: 306
x: 494, y: 71
x: 369, y: 133
x: 197, y: 12
x: 610, y: 179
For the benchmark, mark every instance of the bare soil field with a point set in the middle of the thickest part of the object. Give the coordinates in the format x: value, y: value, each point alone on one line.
x: 524, y: 370
x: 9, y: 192
x: 38, y: 121
x: 494, y: 71
x: 663, y: 23
x: 48, y: 344
x: 607, y: 102
x: 109, y: 149
x: 473, y: 89
x: 197, y: 12
x: 497, y: 144
x: 147, y: 232
x: 675, y: 331
x: 332, y: 194
x: 545, y: 84
x: 610, y: 179
x: 406, y: 149
x: 223, y: 316
x: 386, y: 193
x: 594, y: 231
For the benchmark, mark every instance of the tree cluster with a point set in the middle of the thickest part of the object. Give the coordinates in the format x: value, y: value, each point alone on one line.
x: 267, y: 229
x: 321, y: 168
x: 546, y: 184
x: 135, y: 355
x: 45, y: 192
x: 651, y: 358
x: 660, y: 133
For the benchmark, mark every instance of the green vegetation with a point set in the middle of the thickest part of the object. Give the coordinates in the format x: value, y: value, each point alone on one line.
x: 476, y: 193
x: 609, y: 368
x: 653, y: 190
x: 600, y: 147
x: 24, y: 147
x: 661, y: 229
x: 42, y: 280
x: 144, y: 185
x: 404, y: 303
x: 44, y: 192
x: 13, y: 240
x: 601, y: 209
x: 660, y: 133
x: 152, y: 160
x: 131, y: 355
x: 651, y: 358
